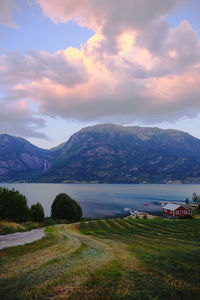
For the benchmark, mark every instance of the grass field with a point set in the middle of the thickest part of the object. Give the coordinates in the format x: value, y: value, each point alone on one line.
x: 7, y: 227
x: 111, y: 259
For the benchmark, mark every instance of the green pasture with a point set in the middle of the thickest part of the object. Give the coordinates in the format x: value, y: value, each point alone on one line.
x: 107, y: 259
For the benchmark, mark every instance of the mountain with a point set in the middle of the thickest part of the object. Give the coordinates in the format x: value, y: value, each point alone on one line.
x: 116, y: 154
x: 106, y: 154
x: 20, y: 160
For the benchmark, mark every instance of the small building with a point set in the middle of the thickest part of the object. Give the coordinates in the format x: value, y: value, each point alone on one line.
x: 176, y: 210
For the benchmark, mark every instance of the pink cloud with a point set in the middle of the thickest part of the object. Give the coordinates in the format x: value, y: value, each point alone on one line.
x: 110, y: 18
x: 134, y: 68
x: 84, y: 85
x: 6, y: 7
x: 18, y: 118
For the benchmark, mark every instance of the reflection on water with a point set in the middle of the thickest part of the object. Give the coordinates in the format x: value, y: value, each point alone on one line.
x: 99, y: 200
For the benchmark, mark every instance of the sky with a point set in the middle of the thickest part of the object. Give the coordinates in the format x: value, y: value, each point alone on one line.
x: 69, y: 64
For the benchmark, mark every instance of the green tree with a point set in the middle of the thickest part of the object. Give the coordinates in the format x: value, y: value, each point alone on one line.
x: 36, y: 213
x: 196, y: 210
x: 186, y: 201
x: 194, y: 197
x: 13, y: 205
x: 64, y: 207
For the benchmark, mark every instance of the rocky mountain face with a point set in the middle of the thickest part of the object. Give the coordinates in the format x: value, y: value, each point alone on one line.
x: 116, y: 154
x: 105, y: 154
x: 20, y: 160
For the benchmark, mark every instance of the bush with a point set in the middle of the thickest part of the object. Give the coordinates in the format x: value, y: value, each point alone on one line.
x: 196, y: 210
x: 13, y: 205
x: 6, y: 230
x: 31, y: 225
x: 64, y: 207
x: 36, y: 213
x: 49, y: 221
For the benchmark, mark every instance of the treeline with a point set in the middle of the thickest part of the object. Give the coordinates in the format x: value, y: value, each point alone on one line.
x: 13, y: 207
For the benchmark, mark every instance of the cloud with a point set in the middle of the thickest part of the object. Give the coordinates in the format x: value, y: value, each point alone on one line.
x: 110, y: 18
x: 17, y: 119
x: 6, y: 13
x: 134, y: 68
x: 19, y: 77
x: 136, y: 84
x: 37, y: 65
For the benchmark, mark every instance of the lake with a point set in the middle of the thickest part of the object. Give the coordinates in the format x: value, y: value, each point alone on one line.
x: 98, y: 200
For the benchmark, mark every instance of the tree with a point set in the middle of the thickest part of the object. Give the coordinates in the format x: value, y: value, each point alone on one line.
x: 64, y: 207
x: 186, y: 201
x: 13, y: 205
x: 194, y: 197
x: 36, y: 213
x: 196, y: 210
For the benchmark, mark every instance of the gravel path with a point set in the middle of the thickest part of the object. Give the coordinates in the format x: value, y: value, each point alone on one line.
x: 21, y: 238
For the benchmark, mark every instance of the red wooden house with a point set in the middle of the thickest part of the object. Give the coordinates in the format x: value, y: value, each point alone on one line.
x: 176, y: 210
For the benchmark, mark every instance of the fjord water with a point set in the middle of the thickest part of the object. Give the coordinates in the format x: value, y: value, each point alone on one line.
x: 98, y: 200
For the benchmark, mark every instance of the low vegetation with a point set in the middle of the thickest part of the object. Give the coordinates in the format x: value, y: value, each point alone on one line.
x: 7, y: 227
x: 15, y: 214
x: 106, y: 259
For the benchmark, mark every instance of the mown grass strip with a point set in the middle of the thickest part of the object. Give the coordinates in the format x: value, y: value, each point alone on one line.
x: 120, y: 259
x: 115, y: 226
x: 108, y: 230
x: 30, y: 281
x: 83, y: 228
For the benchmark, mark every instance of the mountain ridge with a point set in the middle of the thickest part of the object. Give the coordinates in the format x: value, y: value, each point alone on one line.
x: 20, y: 160
x: 98, y: 153
x: 109, y: 153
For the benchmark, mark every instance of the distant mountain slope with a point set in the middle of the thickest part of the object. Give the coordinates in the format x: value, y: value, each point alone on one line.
x: 116, y: 154
x: 20, y: 160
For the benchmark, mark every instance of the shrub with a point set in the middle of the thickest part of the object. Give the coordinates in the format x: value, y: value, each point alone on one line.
x: 196, y: 210
x: 6, y: 230
x: 13, y: 205
x: 49, y: 221
x: 64, y: 207
x: 31, y: 225
x: 36, y: 213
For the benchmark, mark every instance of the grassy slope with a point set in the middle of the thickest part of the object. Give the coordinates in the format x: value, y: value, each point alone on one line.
x: 7, y: 227
x: 112, y: 259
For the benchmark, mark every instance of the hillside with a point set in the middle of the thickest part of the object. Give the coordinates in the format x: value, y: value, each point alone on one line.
x: 106, y: 154
x: 20, y: 160
x: 112, y: 259
x: 116, y: 154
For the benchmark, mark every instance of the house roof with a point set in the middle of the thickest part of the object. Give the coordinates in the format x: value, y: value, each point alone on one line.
x: 172, y: 206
